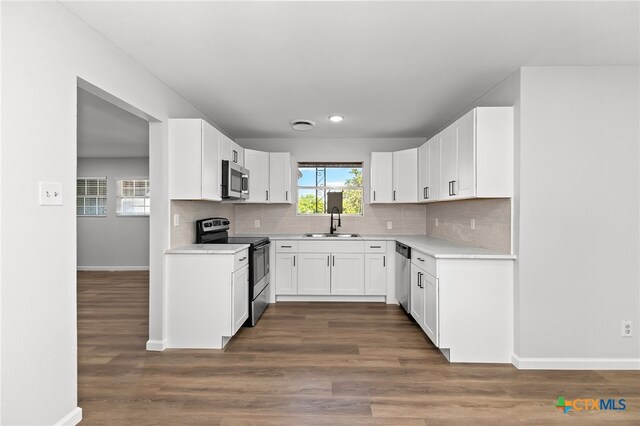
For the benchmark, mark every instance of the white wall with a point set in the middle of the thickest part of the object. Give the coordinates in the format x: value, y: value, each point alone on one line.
x: 44, y: 50
x: 113, y: 242
x: 578, y: 236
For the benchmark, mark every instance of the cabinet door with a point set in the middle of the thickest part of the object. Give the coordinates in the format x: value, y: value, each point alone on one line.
x: 286, y: 274
x: 430, y: 284
x: 465, y: 181
x: 423, y: 171
x: 257, y: 162
x: 405, y: 176
x: 347, y: 274
x: 381, y: 176
x: 417, y: 295
x: 211, y: 165
x: 231, y: 151
x: 433, y: 189
x: 448, y: 162
x: 240, y: 157
x: 240, y: 295
x: 375, y: 274
x: 280, y: 177
x: 314, y: 273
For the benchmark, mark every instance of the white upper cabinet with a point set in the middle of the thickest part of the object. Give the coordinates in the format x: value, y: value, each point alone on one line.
x: 257, y: 162
x: 279, y: 177
x: 381, y: 175
x: 429, y: 170
x: 476, y: 155
x: 231, y: 151
x: 194, y: 160
x: 405, y: 176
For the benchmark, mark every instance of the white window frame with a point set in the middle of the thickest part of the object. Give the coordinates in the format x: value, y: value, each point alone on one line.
x: 99, y: 199
x: 329, y: 188
x: 121, y: 197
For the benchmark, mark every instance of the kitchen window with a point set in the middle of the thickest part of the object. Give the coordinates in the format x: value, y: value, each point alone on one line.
x: 133, y: 197
x: 325, y: 185
x: 91, y: 196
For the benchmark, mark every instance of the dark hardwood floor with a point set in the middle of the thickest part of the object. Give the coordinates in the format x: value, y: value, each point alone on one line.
x: 309, y: 364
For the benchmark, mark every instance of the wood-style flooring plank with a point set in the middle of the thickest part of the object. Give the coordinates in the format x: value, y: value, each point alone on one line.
x: 310, y: 364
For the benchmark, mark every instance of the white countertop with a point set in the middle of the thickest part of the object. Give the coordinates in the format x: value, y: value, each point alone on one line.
x: 435, y: 247
x: 208, y: 249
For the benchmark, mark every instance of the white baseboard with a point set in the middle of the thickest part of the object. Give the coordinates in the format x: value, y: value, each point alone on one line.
x: 156, y: 345
x: 575, y: 363
x: 294, y: 298
x: 73, y: 418
x: 112, y: 268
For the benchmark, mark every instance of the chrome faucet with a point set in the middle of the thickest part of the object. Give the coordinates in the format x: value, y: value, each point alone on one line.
x: 332, y: 228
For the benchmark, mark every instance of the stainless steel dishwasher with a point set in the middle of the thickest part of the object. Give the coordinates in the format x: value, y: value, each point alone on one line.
x: 403, y: 275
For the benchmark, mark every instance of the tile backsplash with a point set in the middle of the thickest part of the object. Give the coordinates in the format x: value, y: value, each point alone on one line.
x: 282, y: 219
x: 492, y: 217
x: 189, y: 212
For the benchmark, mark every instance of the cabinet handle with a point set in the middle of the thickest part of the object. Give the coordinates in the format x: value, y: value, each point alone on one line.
x: 374, y: 195
x: 384, y: 261
x: 328, y: 260
x: 421, y: 259
x: 394, y: 195
x: 424, y: 193
x: 286, y: 195
x: 244, y: 258
x: 285, y: 246
x: 235, y: 156
x: 266, y: 194
x: 420, y: 280
x: 334, y: 260
x: 375, y: 246
x: 294, y: 261
x: 450, y: 186
x: 453, y: 187
x: 428, y: 192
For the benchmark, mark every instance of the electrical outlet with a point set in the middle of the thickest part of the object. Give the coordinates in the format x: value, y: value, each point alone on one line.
x: 176, y: 220
x: 473, y: 224
x: 50, y: 193
x: 256, y: 224
x: 627, y: 330
x: 389, y: 225
x: 436, y: 221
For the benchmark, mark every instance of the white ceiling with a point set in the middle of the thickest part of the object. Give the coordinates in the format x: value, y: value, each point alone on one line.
x: 105, y: 130
x: 393, y: 69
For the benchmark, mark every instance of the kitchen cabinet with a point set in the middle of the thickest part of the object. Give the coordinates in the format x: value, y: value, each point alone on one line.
x: 375, y: 274
x: 430, y: 320
x: 429, y: 170
x: 194, y: 160
x: 240, y: 297
x: 314, y: 273
x: 405, y: 176
x: 476, y: 155
x: 286, y: 273
x: 257, y: 162
x: 417, y: 295
x: 231, y: 151
x: 207, y: 297
x: 280, y: 177
x: 381, y: 174
x: 347, y: 274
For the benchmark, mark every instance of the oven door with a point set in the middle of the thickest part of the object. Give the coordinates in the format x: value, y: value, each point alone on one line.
x: 260, y: 266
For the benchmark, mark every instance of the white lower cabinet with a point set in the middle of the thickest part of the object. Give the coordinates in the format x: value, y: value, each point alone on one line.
x: 286, y: 273
x: 347, y: 274
x: 417, y: 295
x: 430, y: 318
x: 375, y: 274
x: 240, y: 296
x: 314, y: 273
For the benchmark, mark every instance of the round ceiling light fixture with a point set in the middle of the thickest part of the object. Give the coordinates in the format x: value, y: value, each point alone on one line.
x: 302, y: 125
x: 336, y: 118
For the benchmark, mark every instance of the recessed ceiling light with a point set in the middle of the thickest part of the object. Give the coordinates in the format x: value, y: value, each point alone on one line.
x: 302, y: 125
x: 336, y: 118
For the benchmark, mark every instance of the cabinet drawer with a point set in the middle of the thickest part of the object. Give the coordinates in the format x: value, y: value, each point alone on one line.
x: 286, y: 246
x: 375, y: 246
x: 240, y: 259
x: 424, y: 261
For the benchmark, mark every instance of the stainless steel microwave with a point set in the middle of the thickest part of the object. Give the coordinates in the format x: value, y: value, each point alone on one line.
x: 235, y: 181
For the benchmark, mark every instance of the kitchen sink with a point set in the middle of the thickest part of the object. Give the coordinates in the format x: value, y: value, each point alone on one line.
x: 331, y: 235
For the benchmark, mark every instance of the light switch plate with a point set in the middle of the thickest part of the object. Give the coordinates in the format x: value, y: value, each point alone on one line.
x: 50, y: 193
x: 389, y: 225
x: 256, y: 223
x: 176, y: 220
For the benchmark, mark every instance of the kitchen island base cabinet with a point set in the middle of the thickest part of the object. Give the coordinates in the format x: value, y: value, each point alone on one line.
x: 206, y: 300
